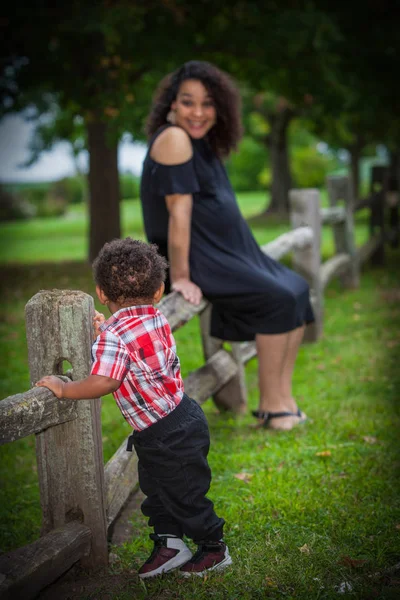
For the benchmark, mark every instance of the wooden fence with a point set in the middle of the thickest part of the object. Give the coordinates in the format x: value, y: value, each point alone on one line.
x: 80, y: 497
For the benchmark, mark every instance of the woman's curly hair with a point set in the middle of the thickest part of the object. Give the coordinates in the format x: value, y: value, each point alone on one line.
x: 226, y: 133
x: 129, y: 270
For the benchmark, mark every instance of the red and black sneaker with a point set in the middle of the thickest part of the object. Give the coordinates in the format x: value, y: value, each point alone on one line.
x: 210, y: 556
x: 169, y: 552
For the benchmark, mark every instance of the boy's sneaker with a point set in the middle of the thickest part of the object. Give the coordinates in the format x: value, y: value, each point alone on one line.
x: 210, y: 556
x: 169, y: 552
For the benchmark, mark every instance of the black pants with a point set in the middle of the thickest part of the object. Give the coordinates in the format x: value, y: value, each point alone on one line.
x: 175, y: 476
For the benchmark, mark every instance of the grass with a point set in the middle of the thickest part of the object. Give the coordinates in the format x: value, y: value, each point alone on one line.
x: 60, y: 240
x: 316, y: 509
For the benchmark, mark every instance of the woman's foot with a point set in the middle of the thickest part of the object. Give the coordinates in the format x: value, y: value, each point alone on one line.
x: 286, y: 423
x: 282, y: 418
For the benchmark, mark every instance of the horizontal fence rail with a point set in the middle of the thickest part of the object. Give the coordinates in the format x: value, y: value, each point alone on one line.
x: 31, y: 412
x: 28, y: 570
x: 333, y: 215
x: 333, y: 267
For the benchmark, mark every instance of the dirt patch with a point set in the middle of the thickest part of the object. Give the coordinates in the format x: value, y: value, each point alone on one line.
x: 78, y: 584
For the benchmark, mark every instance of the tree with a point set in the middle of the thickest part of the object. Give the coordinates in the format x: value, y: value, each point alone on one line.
x: 286, y: 61
x: 361, y: 107
x: 91, y: 60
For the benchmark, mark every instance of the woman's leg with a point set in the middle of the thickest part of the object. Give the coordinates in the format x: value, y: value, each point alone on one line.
x: 276, y: 358
x: 294, y: 341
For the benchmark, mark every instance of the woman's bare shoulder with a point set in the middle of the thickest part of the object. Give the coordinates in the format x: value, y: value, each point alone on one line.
x: 172, y: 147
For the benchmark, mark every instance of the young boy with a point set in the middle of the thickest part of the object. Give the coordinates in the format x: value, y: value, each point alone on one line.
x: 134, y: 357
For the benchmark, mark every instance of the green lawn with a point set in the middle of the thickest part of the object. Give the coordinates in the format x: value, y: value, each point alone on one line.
x: 319, y: 507
x: 65, y: 239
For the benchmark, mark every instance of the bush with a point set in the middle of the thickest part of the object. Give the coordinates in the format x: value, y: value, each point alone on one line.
x: 47, y: 203
x: 310, y: 167
x: 14, y: 208
x: 244, y: 167
x: 71, y: 189
x: 129, y: 186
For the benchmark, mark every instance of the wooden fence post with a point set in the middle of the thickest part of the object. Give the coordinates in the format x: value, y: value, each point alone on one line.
x: 70, y: 455
x: 305, y: 210
x: 379, y: 180
x: 341, y: 188
x: 233, y: 396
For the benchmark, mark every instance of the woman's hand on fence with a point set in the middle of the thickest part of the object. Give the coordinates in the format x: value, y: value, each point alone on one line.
x: 98, y: 319
x: 53, y: 383
x: 189, y: 290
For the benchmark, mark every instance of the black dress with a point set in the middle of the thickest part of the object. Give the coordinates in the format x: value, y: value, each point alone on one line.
x: 250, y: 292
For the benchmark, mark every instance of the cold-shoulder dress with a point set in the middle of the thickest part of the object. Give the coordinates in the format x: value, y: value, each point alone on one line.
x: 250, y: 292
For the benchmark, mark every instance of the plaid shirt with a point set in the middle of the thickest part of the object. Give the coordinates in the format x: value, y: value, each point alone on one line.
x: 136, y: 347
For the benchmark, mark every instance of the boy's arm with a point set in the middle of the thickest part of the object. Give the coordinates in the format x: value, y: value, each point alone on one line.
x: 93, y: 386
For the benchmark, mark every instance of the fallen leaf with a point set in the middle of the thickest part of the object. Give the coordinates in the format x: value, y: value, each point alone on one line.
x: 246, y: 477
x: 347, y: 561
x: 397, y: 526
x: 270, y: 582
x: 391, y: 295
x: 321, y: 367
x: 324, y: 453
x: 110, y: 111
x: 305, y: 549
x: 370, y: 439
x: 392, y: 343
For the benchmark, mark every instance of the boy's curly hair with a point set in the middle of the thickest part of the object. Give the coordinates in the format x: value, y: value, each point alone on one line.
x: 225, y: 135
x: 129, y: 270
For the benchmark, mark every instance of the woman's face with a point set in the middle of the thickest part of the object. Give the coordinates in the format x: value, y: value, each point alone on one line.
x: 195, y: 109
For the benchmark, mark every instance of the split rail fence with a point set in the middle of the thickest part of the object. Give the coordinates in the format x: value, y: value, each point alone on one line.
x: 80, y: 496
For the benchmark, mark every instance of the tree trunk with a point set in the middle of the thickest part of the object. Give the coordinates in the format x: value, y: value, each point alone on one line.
x: 104, y: 193
x: 355, y: 153
x: 394, y: 171
x: 280, y: 164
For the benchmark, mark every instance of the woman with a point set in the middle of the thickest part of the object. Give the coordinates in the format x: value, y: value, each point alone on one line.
x: 190, y: 212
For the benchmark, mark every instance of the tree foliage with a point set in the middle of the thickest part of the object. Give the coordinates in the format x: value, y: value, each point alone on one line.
x: 94, y: 67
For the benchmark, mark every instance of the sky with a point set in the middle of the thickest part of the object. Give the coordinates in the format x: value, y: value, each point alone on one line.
x: 15, y: 133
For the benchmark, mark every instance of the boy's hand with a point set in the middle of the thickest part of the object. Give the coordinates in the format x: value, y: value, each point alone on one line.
x: 98, y: 319
x: 53, y: 383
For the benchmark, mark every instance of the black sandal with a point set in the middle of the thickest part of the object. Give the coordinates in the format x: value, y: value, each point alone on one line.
x: 268, y: 416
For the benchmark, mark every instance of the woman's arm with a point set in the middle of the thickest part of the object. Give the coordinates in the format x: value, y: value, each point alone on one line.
x: 173, y: 147
x: 180, y: 214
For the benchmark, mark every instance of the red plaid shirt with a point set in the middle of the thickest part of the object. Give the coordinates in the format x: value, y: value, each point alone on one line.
x: 136, y: 347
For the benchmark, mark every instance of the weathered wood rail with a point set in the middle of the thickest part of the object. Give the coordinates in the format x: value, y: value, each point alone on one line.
x: 80, y: 496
